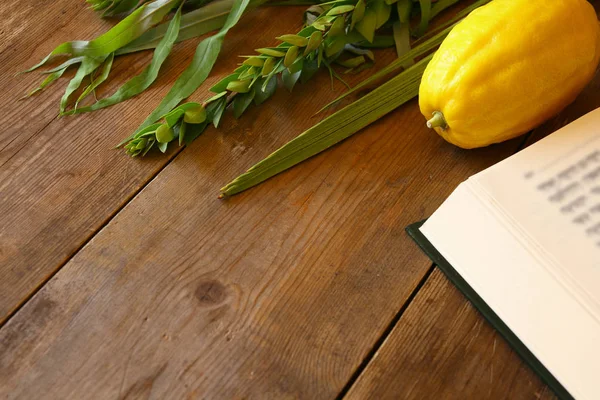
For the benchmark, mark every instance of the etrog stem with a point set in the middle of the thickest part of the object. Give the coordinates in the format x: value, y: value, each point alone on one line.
x: 437, y: 121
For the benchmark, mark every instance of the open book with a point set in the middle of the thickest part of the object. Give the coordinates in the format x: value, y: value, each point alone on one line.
x: 522, y: 240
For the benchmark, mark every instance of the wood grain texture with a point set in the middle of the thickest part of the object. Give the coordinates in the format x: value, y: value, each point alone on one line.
x: 442, y: 348
x: 60, y: 179
x: 279, y: 292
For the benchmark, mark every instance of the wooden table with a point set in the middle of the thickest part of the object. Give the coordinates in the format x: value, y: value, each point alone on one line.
x: 127, y: 278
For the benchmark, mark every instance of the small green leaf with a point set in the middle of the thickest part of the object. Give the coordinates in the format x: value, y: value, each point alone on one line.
x: 141, y: 144
x: 263, y: 92
x: 164, y: 134
x: 271, y: 52
x: 320, y: 25
x: 315, y: 40
x: 382, y: 11
x: 239, y: 86
x: 278, y: 68
x: 294, y: 40
x: 320, y: 56
x: 241, y: 103
x: 358, y: 13
x: 254, y: 62
x: 367, y: 25
x: 173, y: 118
x: 334, y: 46
x: 220, y: 106
x: 425, y: 16
x: 309, y: 69
x: 268, y: 66
x: 151, y: 143
x: 338, y: 28
x: 291, y: 56
x: 216, y: 97
x: 297, y: 65
x: 404, y: 8
x: 182, y: 130
x: 247, y: 74
x: 195, y: 115
x: 148, y: 131
x: 352, y: 62
x: 340, y: 10
x: 163, y: 146
x: 193, y: 131
x: 221, y: 86
x: 289, y: 79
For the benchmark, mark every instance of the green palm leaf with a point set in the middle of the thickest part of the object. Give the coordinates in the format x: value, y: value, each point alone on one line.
x: 335, y: 128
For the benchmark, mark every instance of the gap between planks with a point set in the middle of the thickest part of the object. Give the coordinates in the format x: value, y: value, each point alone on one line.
x: 93, y: 234
x: 381, y: 340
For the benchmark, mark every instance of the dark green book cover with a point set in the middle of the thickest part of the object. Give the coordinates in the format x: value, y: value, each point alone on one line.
x: 486, y: 311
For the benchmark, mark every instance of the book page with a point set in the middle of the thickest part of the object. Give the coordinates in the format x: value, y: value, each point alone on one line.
x: 537, y: 307
x: 549, y: 194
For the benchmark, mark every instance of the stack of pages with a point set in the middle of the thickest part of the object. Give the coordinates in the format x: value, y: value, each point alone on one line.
x: 522, y: 241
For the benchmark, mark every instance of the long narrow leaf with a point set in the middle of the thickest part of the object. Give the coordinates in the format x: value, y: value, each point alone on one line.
x: 201, y: 65
x: 425, y: 16
x: 69, y: 62
x: 335, y: 128
x: 88, y: 66
x: 402, y: 40
x: 193, y: 24
x: 121, y: 7
x: 141, y: 82
x: 98, y: 80
x: 120, y: 35
x: 48, y: 81
x: 54, y: 74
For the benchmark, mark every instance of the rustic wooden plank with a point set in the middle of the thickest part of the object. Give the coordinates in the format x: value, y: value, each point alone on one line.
x: 280, y: 291
x: 61, y: 181
x: 443, y: 349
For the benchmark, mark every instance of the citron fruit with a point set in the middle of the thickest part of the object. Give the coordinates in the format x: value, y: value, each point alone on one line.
x: 507, y: 67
